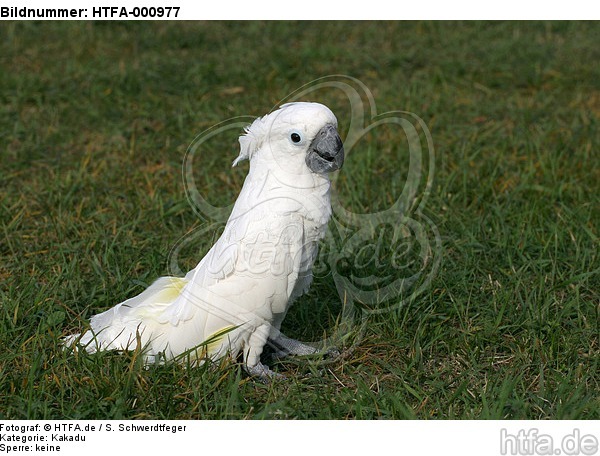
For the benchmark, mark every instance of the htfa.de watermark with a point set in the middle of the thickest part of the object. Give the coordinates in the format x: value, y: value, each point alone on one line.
x: 532, y: 442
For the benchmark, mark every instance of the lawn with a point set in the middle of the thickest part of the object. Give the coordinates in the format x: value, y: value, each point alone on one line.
x: 95, y: 122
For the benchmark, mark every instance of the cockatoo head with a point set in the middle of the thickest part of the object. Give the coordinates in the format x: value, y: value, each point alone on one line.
x: 298, y: 138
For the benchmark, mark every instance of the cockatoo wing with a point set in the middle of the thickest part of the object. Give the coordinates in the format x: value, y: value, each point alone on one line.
x: 243, y: 283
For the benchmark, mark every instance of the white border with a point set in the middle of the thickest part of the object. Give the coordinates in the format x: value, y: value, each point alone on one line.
x: 347, y: 10
x: 301, y: 438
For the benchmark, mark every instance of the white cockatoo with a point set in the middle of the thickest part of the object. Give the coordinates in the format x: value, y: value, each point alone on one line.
x: 236, y: 298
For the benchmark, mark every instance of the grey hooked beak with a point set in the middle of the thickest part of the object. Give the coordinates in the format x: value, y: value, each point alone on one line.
x: 326, y: 152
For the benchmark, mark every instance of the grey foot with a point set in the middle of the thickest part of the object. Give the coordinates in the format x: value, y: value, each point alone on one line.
x: 262, y: 373
x: 284, y: 346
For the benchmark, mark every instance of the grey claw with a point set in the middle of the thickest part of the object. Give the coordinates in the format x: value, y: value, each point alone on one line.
x: 332, y: 353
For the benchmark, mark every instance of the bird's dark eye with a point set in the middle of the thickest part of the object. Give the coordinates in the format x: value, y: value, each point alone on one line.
x: 295, y: 137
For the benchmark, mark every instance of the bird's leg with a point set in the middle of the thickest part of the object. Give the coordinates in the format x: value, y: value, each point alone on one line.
x: 252, y: 353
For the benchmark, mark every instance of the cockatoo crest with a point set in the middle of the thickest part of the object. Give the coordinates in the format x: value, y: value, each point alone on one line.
x: 251, y: 141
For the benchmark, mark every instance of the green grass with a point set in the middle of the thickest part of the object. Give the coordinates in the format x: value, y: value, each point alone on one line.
x: 95, y: 119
